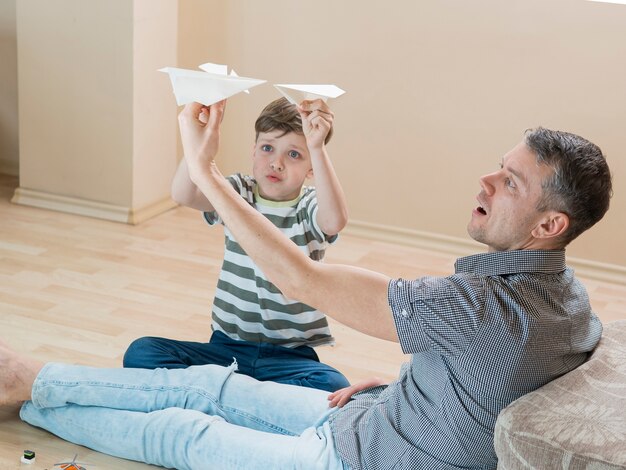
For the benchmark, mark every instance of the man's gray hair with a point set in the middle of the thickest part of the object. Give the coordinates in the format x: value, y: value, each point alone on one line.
x: 580, y: 185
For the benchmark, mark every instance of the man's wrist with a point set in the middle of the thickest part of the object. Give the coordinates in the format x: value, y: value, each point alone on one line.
x: 206, y: 172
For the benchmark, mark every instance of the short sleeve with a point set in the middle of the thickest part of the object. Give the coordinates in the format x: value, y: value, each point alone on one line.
x: 308, y: 211
x: 441, y: 314
x: 244, y: 185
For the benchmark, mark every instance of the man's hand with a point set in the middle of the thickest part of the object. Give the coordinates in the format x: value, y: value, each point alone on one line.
x: 343, y: 395
x: 200, y: 135
x: 317, y: 120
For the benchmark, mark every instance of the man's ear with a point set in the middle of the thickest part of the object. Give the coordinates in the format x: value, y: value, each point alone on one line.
x: 553, y: 225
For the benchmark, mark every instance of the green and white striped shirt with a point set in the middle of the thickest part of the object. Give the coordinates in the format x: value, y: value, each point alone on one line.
x: 249, y: 307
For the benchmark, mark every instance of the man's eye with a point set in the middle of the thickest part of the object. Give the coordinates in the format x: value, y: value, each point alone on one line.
x: 293, y: 154
x: 509, y: 183
x: 266, y: 148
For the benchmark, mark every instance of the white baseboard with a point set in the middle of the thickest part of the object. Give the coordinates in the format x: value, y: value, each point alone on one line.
x: 600, y: 271
x: 99, y: 210
x: 462, y: 247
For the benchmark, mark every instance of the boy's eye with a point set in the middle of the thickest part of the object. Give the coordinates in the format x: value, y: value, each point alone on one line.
x: 266, y: 148
x: 293, y: 154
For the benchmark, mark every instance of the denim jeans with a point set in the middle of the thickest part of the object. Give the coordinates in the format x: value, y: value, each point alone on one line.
x: 263, y: 361
x: 202, y: 417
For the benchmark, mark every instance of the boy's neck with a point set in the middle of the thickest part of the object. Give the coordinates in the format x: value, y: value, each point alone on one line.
x: 270, y: 202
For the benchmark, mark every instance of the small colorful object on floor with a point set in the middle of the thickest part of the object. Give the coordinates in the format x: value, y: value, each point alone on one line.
x: 73, y: 465
x: 28, y: 457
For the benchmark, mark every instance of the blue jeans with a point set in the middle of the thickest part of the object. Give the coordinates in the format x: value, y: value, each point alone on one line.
x: 201, y: 417
x: 263, y: 361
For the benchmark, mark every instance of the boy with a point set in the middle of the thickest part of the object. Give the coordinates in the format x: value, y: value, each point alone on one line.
x: 269, y: 336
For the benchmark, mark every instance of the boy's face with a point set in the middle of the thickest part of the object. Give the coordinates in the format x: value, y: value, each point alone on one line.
x: 280, y: 164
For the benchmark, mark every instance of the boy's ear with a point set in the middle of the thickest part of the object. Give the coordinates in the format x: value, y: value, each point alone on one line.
x: 309, y: 174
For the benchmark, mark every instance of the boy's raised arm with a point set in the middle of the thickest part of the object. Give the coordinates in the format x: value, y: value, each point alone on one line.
x: 353, y: 296
x: 317, y: 120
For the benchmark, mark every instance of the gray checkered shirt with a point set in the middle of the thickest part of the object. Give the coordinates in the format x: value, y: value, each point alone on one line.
x: 503, y: 325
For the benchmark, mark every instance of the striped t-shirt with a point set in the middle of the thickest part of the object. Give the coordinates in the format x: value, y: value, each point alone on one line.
x: 249, y: 307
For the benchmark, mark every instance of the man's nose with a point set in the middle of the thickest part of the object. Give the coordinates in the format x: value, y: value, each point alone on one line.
x: 487, y: 183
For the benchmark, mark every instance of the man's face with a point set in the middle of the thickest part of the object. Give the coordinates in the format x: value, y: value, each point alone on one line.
x: 507, y: 212
x: 280, y: 165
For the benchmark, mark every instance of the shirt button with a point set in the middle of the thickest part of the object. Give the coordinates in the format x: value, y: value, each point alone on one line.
x: 399, y: 284
x: 404, y: 313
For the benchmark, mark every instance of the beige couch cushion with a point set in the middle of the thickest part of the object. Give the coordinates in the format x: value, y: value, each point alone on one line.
x: 577, y: 421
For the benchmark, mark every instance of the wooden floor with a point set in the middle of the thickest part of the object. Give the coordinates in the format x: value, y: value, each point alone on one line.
x: 79, y: 290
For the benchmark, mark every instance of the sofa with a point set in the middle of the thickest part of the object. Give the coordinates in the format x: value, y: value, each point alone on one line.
x: 577, y: 421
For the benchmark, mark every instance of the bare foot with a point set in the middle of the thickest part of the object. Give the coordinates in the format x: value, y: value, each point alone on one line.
x: 17, y: 375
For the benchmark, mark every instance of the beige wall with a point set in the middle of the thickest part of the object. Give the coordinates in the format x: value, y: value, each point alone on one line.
x: 76, y: 100
x: 437, y: 92
x: 9, y: 153
x: 155, y: 28
x: 96, y: 137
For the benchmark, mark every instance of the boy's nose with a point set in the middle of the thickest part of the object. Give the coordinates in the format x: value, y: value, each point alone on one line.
x: 277, y: 165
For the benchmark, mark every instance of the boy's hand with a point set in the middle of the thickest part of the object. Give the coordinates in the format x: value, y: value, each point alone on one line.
x: 317, y: 120
x: 200, y: 134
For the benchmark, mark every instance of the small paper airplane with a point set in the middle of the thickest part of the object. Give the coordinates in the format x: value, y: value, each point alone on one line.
x: 296, y: 93
x: 208, y: 86
x: 73, y: 465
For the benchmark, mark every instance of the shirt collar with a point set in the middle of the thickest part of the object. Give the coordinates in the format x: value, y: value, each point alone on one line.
x: 266, y: 202
x: 511, y: 262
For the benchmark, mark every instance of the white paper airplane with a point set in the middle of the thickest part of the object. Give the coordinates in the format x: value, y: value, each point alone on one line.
x: 623, y: 2
x: 208, y: 86
x: 296, y: 93
x: 220, y: 69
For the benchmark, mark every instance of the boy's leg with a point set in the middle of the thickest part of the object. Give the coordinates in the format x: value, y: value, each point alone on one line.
x: 185, y: 439
x: 151, y: 352
x: 297, y: 366
x: 294, y: 366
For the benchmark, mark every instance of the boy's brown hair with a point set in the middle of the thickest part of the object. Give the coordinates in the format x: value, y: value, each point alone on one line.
x: 283, y: 116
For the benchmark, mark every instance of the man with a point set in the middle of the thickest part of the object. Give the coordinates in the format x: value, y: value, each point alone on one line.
x: 505, y: 323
